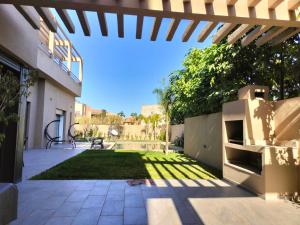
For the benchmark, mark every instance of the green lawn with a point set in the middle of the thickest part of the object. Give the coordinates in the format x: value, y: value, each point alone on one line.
x: 128, y: 164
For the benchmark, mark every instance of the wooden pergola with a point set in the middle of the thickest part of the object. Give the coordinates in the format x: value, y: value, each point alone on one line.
x: 262, y: 21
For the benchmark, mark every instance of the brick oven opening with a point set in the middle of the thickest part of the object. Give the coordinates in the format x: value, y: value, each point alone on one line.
x: 248, y: 160
x: 234, y: 131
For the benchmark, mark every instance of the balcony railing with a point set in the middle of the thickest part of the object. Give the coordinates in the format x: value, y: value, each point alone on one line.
x: 58, y: 47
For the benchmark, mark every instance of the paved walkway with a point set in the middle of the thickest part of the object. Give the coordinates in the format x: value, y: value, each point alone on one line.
x: 167, y: 202
x: 38, y: 160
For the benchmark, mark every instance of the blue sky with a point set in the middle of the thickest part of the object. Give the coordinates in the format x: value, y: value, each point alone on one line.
x: 121, y: 73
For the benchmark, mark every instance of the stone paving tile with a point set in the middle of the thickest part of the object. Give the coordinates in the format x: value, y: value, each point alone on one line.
x: 113, y: 208
x: 87, y: 217
x: 99, y: 190
x: 134, y: 200
x: 60, y: 221
x: 68, y: 209
x: 38, y: 217
x: 115, y: 195
x: 102, y: 183
x: 133, y: 190
x: 134, y: 216
x: 78, y: 196
x: 53, y: 202
x: 96, y: 201
x: 110, y: 220
x: 117, y: 186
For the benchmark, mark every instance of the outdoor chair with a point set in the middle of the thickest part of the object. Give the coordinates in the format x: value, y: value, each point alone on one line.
x: 97, y: 142
x: 72, y: 136
x: 56, y: 140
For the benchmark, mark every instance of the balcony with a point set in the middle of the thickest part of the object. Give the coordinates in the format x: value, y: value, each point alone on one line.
x: 63, y: 59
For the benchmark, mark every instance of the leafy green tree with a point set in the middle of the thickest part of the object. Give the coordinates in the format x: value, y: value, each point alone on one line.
x: 121, y: 114
x: 12, y: 90
x: 165, y: 97
x: 212, y: 76
x: 134, y: 114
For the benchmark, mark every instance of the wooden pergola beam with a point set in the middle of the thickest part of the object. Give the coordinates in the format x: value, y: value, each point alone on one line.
x: 155, y: 29
x: 190, y: 30
x: 231, y: 2
x: 290, y: 32
x: 120, y: 19
x: 254, y: 34
x: 102, y: 23
x: 274, y: 3
x: 26, y: 14
x: 269, y: 35
x: 63, y: 14
x: 223, y: 32
x: 238, y: 33
x: 84, y: 22
x: 172, y: 29
x: 206, y: 31
x: 47, y: 17
x: 216, y: 12
x: 139, y: 26
x: 253, y: 3
x: 293, y: 4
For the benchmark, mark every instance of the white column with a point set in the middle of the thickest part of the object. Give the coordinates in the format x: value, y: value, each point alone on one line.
x: 51, y: 42
x: 69, y: 56
x: 80, y: 69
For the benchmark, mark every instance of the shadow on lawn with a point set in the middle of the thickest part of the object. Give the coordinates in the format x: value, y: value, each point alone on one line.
x: 95, y: 164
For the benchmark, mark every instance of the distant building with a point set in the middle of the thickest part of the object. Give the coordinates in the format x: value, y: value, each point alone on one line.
x: 148, y: 110
x: 129, y: 121
x: 82, y: 109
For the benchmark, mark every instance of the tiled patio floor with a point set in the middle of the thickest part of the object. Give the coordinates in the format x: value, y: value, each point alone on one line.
x: 168, y: 202
x: 38, y: 160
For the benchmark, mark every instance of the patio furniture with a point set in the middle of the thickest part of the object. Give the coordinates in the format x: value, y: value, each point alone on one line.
x: 8, y: 203
x: 72, y: 136
x: 56, y: 140
x: 97, y: 142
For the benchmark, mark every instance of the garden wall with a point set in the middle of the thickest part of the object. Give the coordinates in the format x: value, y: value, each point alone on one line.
x: 128, y: 132
x: 203, y: 139
x: 176, y: 131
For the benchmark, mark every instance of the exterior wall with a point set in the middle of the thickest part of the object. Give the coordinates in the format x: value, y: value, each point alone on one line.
x: 55, y: 89
x: 203, y: 139
x: 176, y: 131
x: 17, y: 37
x: 52, y: 71
x: 47, y: 98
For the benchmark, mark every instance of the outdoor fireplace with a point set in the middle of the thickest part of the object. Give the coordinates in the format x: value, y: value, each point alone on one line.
x: 250, y: 157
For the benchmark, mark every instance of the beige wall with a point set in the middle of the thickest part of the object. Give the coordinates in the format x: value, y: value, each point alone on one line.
x: 17, y: 36
x: 203, y: 139
x: 176, y: 131
x: 287, y: 119
x: 46, y: 97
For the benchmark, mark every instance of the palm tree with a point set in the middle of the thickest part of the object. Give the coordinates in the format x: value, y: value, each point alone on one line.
x: 165, y: 97
x: 154, y: 119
